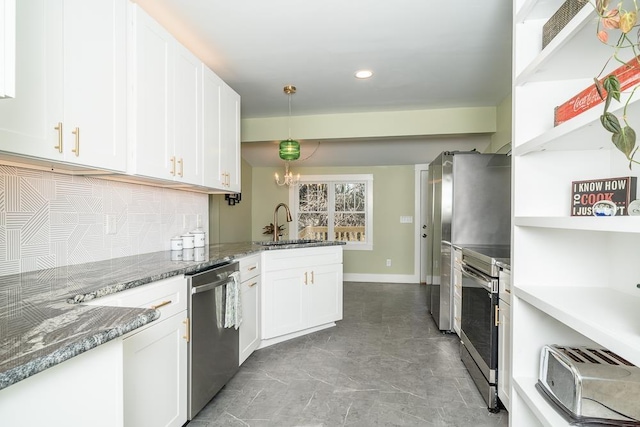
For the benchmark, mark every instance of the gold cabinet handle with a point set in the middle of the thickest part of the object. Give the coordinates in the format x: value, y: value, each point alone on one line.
x: 162, y: 304
x: 253, y: 284
x: 228, y: 179
x: 313, y: 279
x: 173, y: 165
x: 224, y: 178
x: 305, y: 277
x: 253, y: 267
x: 187, y: 335
x: 59, y: 129
x: 76, y: 150
x: 497, y: 318
x: 181, y: 163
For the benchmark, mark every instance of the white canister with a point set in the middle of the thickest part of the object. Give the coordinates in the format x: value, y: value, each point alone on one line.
x: 199, y: 254
x: 187, y: 241
x: 188, y: 254
x: 176, y: 243
x: 176, y: 255
x: 198, y: 236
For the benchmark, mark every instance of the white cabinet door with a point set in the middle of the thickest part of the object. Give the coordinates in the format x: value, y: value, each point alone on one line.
x: 188, y: 133
x: 7, y: 48
x: 230, y: 142
x: 70, y: 84
x: 155, y: 384
x: 95, y: 92
x: 152, y: 53
x: 211, y: 127
x: 323, y: 299
x: 250, y: 327
x: 283, y: 293
x: 504, y: 354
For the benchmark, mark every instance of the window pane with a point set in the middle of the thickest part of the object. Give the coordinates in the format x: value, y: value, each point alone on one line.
x: 350, y: 197
x: 312, y: 197
x: 313, y: 226
x: 350, y: 227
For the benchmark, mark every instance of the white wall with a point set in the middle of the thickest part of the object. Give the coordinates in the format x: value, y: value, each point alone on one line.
x: 49, y: 220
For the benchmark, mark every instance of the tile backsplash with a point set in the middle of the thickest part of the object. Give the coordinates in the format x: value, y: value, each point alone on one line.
x: 49, y: 219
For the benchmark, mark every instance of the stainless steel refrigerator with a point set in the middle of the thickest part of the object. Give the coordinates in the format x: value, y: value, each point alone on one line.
x: 468, y: 203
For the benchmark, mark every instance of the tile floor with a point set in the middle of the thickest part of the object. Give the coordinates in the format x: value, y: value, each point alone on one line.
x: 384, y: 364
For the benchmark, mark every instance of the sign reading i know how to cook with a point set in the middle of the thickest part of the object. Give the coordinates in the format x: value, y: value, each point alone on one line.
x: 585, y: 194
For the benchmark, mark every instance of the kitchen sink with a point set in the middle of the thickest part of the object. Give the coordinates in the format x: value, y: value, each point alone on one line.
x: 287, y: 242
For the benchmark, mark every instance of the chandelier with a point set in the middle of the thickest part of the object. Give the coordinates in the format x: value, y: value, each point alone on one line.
x: 289, y: 148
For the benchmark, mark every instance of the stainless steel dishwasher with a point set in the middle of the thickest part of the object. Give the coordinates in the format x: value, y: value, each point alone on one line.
x: 213, y: 349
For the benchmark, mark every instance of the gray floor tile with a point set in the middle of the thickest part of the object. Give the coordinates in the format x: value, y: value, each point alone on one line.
x: 384, y: 364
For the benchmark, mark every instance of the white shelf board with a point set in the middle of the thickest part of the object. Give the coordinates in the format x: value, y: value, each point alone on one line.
x: 546, y: 414
x: 607, y: 316
x: 618, y: 224
x: 583, y: 132
x: 537, y: 9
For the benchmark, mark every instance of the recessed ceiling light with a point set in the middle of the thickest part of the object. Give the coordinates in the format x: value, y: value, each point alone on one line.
x: 363, y: 74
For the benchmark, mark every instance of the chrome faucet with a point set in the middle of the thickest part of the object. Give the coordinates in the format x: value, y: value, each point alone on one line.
x: 276, y: 237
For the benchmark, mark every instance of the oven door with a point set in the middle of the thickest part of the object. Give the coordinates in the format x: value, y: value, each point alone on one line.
x: 479, y: 332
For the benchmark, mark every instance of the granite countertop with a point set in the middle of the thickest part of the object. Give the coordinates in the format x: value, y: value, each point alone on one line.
x: 42, y: 320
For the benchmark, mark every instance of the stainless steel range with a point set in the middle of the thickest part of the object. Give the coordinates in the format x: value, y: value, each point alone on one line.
x: 479, y: 330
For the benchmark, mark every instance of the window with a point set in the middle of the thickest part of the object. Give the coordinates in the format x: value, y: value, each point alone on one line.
x: 334, y: 207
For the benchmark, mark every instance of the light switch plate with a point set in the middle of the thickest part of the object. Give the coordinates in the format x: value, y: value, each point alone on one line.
x: 111, y: 224
x: 406, y: 219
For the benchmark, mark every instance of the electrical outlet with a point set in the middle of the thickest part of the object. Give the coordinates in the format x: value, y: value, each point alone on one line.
x: 388, y: 262
x: 406, y: 219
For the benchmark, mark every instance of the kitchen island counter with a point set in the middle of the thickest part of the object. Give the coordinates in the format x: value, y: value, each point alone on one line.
x: 43, y: 322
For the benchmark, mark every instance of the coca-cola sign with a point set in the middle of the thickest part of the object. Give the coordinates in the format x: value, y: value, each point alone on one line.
x: 629, y: 76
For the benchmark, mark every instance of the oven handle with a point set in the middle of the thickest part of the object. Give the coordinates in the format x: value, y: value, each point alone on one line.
x: 485, y: 281
x: 208, y: 287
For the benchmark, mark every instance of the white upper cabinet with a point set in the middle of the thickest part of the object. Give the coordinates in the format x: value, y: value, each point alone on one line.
x: 7, y: 48
x: 230, y: 134
x: 185, y: 120
x: 70, y: 102
x: 211, y: 128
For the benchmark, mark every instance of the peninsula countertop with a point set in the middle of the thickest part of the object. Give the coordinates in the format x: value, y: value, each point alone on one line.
x: 42, y: 320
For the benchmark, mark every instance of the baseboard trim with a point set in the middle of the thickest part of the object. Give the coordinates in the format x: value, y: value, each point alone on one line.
x: 381, y: 278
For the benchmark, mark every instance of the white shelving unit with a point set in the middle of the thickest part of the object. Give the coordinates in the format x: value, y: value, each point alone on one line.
x: 573, y: 278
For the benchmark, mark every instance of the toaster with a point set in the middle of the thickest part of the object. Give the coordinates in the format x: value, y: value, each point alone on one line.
x: 590, y: 386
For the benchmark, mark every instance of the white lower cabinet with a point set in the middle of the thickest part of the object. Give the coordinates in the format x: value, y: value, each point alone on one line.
x: 302, y: 290
x: 155, y: 381
x: 249, y: 331
x: 85, y: 390
x: 155, y: 356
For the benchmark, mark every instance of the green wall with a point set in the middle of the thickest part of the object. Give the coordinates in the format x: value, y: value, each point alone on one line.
x: 503, y: 126
x: 393, y: 196
x: 227, y: 223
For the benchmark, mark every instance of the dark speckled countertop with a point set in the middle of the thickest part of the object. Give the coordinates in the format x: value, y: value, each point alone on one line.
x: 43, y: 324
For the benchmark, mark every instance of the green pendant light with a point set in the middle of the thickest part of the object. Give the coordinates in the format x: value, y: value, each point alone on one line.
x: 289, y: 148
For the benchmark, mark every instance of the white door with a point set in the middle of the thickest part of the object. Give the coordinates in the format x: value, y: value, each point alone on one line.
x: 95, y: 103
x: 28, y: 121
x: 188, y: 134
x: 152, y: 57
x: 283, y: 294
x: 249, y: 328
x: 155, y: 375
x: 323, y: 288
x: 211, y: 138
x: 230, y: 121
x: 423, y: 224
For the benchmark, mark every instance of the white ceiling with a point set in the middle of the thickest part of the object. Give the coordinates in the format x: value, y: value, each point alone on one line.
x: 424, y: 53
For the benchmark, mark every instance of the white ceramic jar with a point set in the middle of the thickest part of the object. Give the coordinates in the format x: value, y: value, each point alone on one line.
x: 176, y: 243
x: 199, y: 254
x: 188, y: 241
x: 199, y: 238
x: 188, y: 254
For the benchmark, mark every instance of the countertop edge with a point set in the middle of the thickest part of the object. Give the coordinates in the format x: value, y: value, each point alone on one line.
x: 76, y: 347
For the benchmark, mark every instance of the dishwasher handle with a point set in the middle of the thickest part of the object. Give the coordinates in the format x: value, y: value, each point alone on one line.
x: 208, y: 286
